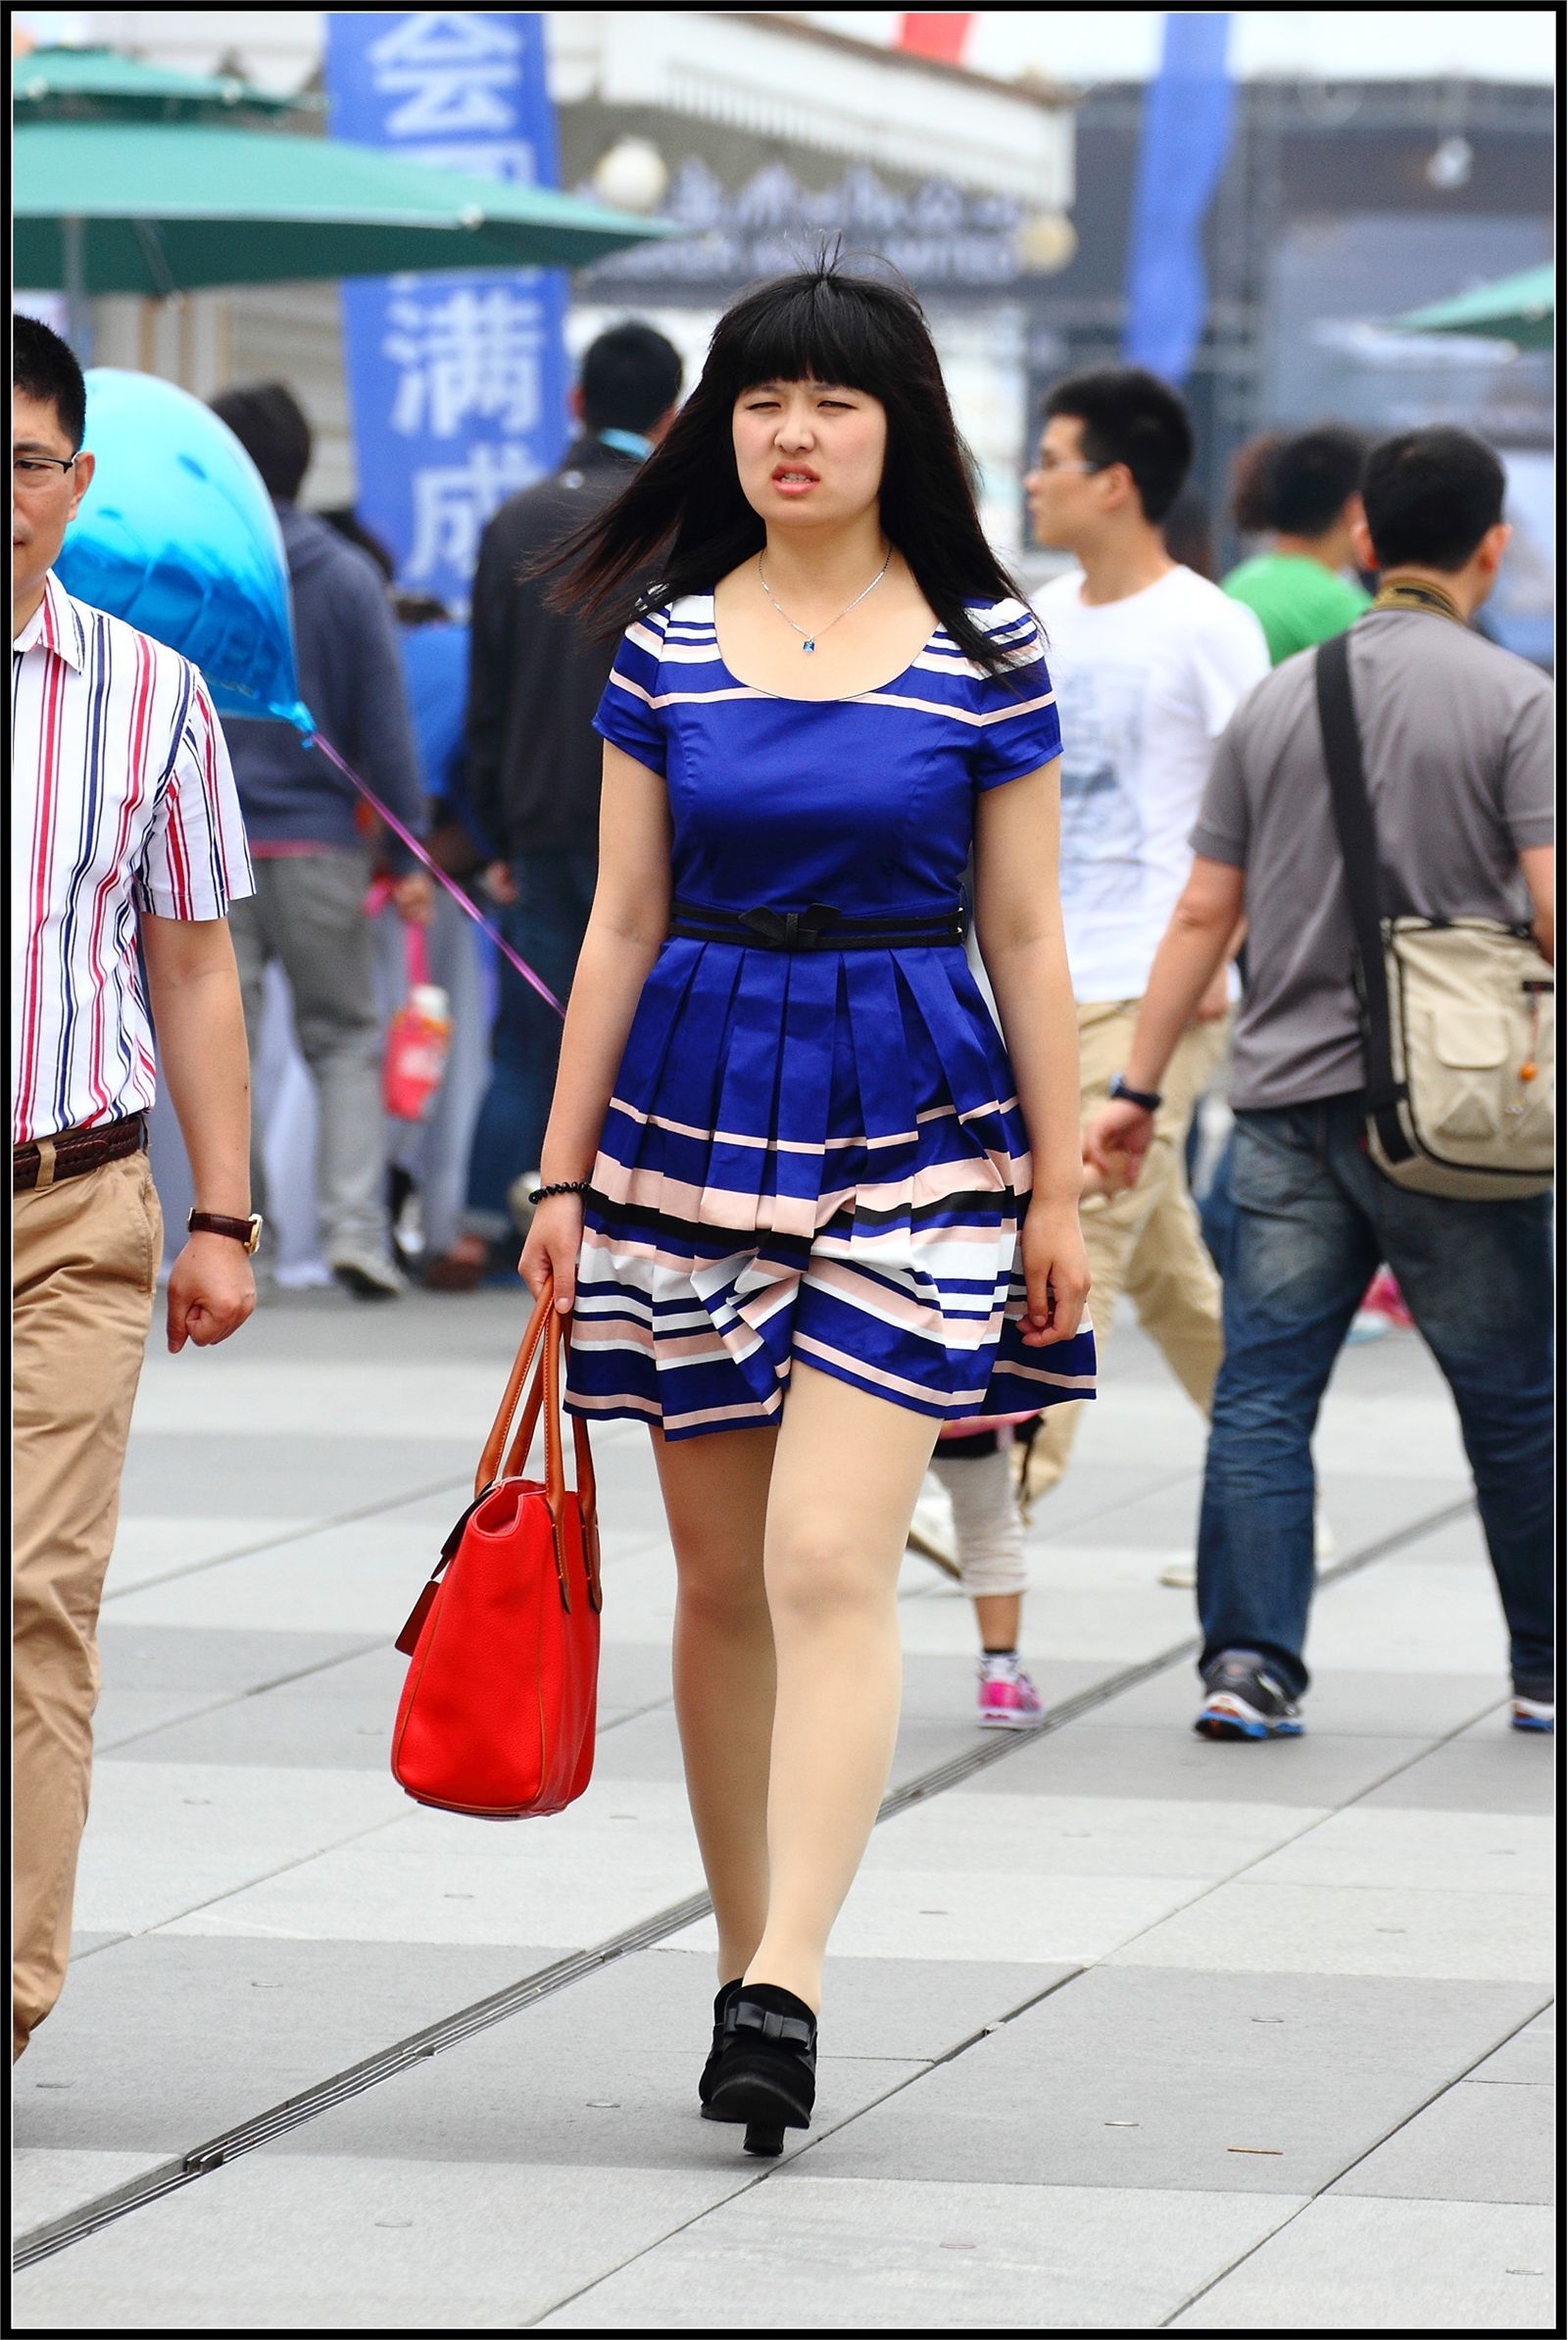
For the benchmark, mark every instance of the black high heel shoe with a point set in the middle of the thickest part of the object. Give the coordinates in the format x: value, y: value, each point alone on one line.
x: 722, y: 2008
x: 767, y: 2075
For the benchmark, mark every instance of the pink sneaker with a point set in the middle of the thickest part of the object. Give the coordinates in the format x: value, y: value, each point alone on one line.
x: 1384, y: 1298
x: 1009, y: 1702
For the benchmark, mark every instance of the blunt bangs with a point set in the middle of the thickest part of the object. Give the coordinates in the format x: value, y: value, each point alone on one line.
x: 821, y: 330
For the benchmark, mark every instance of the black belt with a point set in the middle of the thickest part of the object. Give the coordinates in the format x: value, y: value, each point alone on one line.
x: 817, y: 928
x: 77, y: 1151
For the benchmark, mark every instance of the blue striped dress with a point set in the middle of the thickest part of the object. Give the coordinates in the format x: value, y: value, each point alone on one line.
x: 814, y: 1154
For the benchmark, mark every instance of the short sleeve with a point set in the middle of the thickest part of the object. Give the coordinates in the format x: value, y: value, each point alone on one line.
x: 1220, y: 832
x: 628, y: 715
x: 1016, y: 723
x: 196, y: 860
x: 1528, y: 810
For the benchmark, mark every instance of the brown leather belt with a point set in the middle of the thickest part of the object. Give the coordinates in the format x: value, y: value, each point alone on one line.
x: 75, y: 1151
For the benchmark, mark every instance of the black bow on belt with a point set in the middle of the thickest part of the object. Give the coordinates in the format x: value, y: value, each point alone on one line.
x: 791, y: 929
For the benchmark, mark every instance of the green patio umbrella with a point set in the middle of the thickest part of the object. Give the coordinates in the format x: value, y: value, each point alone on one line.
x: 60, y: 84
x: 156, y: 208
x: 1519, y: 309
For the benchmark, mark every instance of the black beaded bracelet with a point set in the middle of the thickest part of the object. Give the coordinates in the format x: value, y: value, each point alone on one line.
x: 561, y: 1186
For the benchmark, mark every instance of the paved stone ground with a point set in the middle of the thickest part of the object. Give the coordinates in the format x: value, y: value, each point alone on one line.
x: 1125, y: 2031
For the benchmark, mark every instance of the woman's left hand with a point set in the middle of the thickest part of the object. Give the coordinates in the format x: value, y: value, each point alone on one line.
x: 1055, y: 1269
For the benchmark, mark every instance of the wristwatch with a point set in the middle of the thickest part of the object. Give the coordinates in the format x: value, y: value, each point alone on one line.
x: 1149, y: 1100
x: 210, y: 1223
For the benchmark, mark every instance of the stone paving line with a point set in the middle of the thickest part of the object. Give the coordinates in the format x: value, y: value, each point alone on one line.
x: 464, y: 2023
x: 992, y: 1962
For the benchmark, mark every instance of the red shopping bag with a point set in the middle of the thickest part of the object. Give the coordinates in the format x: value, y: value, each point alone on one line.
x: 419, y: 1039
x: 497, y: 1709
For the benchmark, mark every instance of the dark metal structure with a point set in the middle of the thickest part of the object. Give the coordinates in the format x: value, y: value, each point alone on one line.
x: 1341, y: 204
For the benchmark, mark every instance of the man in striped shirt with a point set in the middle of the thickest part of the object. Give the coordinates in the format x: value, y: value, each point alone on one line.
x: 125, y: 824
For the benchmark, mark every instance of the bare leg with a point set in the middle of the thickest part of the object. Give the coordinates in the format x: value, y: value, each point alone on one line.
x: 846, y: 1475
x: 999, y: 1616
x: 715, y: 1496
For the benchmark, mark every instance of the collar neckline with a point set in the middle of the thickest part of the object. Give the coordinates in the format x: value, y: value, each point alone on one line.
x: 626, y: 443
x: 1413, y: 593
x: 54, y: 624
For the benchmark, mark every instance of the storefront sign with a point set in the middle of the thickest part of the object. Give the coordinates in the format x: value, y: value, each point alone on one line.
x: 457, y: 384
x: 941, y: 236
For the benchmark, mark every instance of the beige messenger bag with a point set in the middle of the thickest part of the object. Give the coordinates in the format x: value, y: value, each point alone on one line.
x: 1459, y: 1015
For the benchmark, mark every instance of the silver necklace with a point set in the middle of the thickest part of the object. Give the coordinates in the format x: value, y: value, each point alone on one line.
x: 808, y: 641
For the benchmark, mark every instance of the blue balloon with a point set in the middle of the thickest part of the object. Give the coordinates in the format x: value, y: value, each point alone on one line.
x: 177, y: 536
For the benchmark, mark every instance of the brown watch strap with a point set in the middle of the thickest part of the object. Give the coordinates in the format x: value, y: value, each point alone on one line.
x: 213, y: 1223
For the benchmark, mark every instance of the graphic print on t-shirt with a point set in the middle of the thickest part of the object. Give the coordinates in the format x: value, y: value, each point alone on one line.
x: 1145, y: 685
x: 1102, y: 826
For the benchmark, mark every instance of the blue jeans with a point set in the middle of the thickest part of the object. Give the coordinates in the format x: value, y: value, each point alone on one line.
x: 544, y: 926
x: 1312, y: 1222
x: 1216, y: 1209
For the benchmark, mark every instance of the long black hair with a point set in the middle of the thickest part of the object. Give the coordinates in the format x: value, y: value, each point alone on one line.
x: 684, y: 514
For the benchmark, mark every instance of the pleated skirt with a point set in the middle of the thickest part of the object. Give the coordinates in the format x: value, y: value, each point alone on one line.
x: 810, y: 1155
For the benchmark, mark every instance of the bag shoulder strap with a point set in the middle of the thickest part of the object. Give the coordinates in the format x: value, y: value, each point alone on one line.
x: 1359, y: 849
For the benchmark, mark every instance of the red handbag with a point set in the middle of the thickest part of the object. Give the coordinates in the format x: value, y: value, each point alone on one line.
x: 496, y: 1713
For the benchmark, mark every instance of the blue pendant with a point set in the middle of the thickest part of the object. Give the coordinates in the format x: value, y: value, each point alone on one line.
x: 808, y: 647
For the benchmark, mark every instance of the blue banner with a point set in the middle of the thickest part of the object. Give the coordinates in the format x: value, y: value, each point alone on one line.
x: 1186, y: 137
x: 457, y: 382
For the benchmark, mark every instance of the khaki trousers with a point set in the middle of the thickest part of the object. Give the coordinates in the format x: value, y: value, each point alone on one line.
x: 85, y: 1258
x: 1145, y: 1241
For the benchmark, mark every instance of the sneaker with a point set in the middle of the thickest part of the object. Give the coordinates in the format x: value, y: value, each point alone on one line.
x: 1008, y: 1701
x: 369, y: 1279
x: 1533, y: 1714
x: 1246, y: 1702
x: 1183, y: 1570
x: 931, y: 1529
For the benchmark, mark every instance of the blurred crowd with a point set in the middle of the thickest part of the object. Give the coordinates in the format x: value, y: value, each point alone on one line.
x: 430, y: 1058
x: 433, y: 1054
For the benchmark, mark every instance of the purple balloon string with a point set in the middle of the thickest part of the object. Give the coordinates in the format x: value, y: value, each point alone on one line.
x: 313, y: 739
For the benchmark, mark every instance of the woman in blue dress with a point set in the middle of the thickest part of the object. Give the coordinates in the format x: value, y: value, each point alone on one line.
x: 799, y: 1189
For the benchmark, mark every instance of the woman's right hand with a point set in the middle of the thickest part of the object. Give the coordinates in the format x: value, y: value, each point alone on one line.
x: 554, y: 1234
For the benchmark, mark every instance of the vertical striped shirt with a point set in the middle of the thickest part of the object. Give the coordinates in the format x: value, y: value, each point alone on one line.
x: 122, y: 802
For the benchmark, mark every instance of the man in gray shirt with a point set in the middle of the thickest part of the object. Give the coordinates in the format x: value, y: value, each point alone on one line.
x: 1456, y: 740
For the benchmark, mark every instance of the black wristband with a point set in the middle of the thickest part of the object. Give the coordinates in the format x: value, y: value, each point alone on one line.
x: 561, y: 1186
x: 1147, y: 1100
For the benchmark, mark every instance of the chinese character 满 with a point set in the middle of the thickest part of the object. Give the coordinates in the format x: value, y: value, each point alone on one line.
x: 466, y: 353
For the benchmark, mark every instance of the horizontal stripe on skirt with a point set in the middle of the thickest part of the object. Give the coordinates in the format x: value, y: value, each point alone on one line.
x: 818, y: 1158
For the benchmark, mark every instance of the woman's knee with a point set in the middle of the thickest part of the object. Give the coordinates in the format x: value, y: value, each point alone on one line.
x: 814, y: 1573
x: 719, y: 1578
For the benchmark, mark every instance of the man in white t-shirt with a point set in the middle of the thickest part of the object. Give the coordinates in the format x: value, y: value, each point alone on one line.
x: 1150, y: 661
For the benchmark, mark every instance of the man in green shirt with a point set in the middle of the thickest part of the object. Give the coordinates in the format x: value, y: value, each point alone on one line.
x: 1311, y: 494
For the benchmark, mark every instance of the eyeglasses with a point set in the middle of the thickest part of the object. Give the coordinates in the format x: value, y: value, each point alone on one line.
x: 31, y: 470
x: 1053, y: 463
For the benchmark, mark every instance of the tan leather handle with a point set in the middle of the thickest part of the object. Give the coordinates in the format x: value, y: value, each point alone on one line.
x: 539, y: 1399
x: 543, y: 1313
x: 554, y: 1460
x: 587, y: 1492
